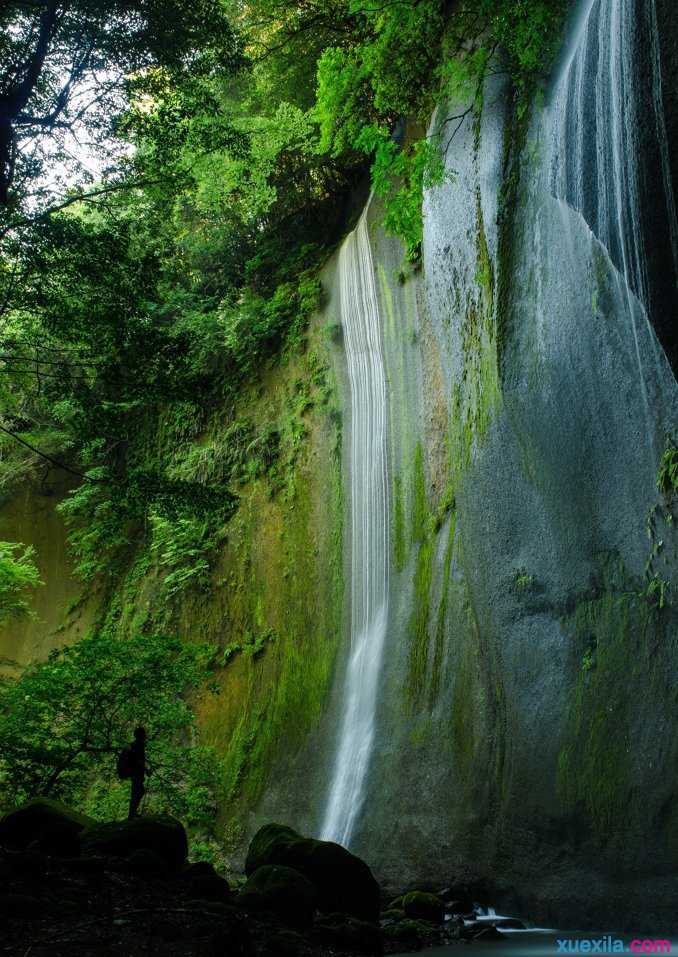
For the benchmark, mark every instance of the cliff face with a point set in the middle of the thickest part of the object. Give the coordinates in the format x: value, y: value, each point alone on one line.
x: 30, y: 516
x: 525, y: 722
x: 527, y: 689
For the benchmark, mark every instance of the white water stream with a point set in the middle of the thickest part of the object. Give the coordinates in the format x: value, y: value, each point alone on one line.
x: 595, y: 126
x: 369, y: 533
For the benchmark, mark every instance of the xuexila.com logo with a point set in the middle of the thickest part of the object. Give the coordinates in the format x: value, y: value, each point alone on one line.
x: 612, y: 945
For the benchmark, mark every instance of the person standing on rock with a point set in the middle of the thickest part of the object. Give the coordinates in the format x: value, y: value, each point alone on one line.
x: 132, y: 765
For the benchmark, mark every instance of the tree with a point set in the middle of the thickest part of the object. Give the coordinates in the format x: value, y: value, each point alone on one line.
x: 17, y: 574
x: 63, y: 721
x: 66, y: 64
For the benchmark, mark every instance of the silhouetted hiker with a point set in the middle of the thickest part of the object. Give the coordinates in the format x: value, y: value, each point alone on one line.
x: 132, y: 764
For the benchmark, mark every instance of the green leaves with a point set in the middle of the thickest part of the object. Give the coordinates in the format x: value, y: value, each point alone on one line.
x: 18, y: 574
x: 64, y: 720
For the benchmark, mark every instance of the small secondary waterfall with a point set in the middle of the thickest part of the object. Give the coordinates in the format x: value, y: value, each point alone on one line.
x: 595, y: 123
x: 369, y: 533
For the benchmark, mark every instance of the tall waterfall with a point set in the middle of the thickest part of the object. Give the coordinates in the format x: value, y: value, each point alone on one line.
x: 369, y: 533
x: 595, y: 120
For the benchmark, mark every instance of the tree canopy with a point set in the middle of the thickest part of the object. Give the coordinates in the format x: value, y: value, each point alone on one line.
x: 68, y: 65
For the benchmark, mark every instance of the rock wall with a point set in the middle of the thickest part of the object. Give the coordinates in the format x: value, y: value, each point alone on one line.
x: 528, y: 696
x: 58, y: 613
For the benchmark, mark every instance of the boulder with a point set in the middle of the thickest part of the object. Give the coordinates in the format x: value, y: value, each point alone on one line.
x: 456, y: 907
x: 427, y: 887
x: 488, y: 934
x: 393, y: 913
x: 422, y: 906
x: 143, y: 861
x: 409, y: 933
x: 281, y: 943
x: 343, y: 882
x: 281, y: 891
x: 198, y: 869
x: 210, y: 887
x: 21, y: 906
x: 204, y: 882
x: 49, y: 825
x: 161, y: 834
x: 340, y: 932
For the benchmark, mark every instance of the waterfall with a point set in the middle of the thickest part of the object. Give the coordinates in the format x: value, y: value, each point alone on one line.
x: 595, y: 131
x: 369, y: 533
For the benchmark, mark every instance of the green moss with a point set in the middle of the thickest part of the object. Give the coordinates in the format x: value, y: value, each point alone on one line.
x: 419, y: 503
x: 465, y: 707
x: 667, y: 474
x: 613, y: 633
x: 439, y: 643
x: 515, y: 135
x: 484, y: 268
x: 522, y: 581
x: 418, y: 627
x: 399, y: 535
x: 476, y: 394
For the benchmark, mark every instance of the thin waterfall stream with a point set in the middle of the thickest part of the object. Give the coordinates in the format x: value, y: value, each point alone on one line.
x: 369, y: 533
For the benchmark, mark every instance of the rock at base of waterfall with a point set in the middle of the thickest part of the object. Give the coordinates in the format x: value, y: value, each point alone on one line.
x: 488, y: 934
x: 419, y: 905
x: 343, y: 882
x: 281, y: 891
x: 410, y: 933
x: 48, y: 824
x: 159, y: 834
x: 348, y: 934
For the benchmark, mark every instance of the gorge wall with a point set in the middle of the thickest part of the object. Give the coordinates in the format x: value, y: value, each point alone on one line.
x: 524, y: 713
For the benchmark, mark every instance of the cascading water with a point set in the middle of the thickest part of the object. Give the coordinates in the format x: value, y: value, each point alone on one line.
x: 588, y: 200
x: 595, y: 126
x: 369, y: 533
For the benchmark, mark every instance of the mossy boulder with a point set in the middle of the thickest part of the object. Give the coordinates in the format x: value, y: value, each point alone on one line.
x: 282, y: 943
x: 419, y: 905
x: 340, y: 932
x: 343, y: 882
x: 394, y: 913
x: 204, y: 882
x: 51, y: 825
x: 488, y: 934
x: 409, y: 933
x: 281, y: 891
x: 161, y: 834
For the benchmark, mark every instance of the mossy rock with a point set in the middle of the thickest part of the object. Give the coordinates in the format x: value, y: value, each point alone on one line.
x: 204, y: 882
x: 488, y: 934
x: 419, y: 905
x: 410, y: 933
x: 161, y: 834
x: 343, y: 882
x: 347, y: 933
x: 394, y: 913
x: 55, y: 827
x: 143, y: 861
x: 281, y: 891
x: 283, y: 943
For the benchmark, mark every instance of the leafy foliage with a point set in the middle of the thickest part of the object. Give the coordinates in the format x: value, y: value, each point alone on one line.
x: 667, y: 475
x: 18, y: 573
x: 66, y: 64
x: 63, y: 721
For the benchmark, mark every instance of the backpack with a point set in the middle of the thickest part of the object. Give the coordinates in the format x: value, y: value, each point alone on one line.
x: 125, y: 764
